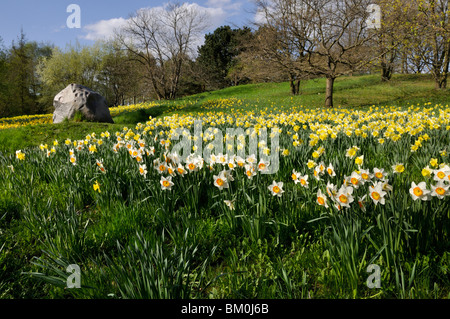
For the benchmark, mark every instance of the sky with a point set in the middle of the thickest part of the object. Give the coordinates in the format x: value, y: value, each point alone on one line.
x: 46, y: 20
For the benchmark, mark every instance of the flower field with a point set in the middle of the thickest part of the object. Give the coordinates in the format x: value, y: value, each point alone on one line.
x: 352, y: 188
x: 25, y: 120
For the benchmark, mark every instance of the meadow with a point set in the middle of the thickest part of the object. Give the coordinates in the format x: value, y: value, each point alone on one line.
x: 362, y: 186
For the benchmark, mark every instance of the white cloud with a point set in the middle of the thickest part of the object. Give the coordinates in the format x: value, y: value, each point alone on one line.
x: 217, y: 12
x: 218, y: 3
x: 103, y: 29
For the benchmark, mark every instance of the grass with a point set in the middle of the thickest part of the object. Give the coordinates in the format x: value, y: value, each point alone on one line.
x: 356, y: 92
x: 350, y: 91
x: 33, y: 136
x: 268, y: 247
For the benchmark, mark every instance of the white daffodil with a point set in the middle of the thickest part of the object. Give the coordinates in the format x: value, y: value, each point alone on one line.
x: 276, y: 188
x: 419, y: 191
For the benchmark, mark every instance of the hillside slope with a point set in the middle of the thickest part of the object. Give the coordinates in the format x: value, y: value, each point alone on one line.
x: 352, y: 92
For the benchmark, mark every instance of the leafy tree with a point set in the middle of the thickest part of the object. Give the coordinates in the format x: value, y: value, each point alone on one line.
x: 21, y: 87
x: 217, y: 56
x: 120, y: 76
x: 81, y: 65
x: 3, y: 79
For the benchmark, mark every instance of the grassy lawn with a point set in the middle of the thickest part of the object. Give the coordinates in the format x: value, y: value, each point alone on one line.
x: 141, y: 224
x: 354, y: 92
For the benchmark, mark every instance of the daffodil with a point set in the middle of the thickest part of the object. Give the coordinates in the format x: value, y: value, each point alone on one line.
x: 377, y: 194
x: 20, y: 155
x: 361, y: 203
x: 230, y: 204
x: 222, y: 159
x: 143, y: 170
x: 171, y: 170
x: 426, y: 171
x: 365, y: 176
x: 379, y: 173
x: 398, y: 168
x: 249, y: 171
x: 359, y: 160
x: 92, y: 148
x: 251, y: 159
x: 322, y: 199
x: 220, y: 181
x: 355, y: 179
x: 166, y: 183
x: 100, y: 166
x: 161, y: 167
x: 227, y: 174
x: 351, y: 152
x: 434, y: 162
x: 276, y: 188
x: 419, y: 191
x: 262, y: 166
x: 331, y: 190
x: 181, y: 170
x: 330, y: 170
x: 295, y: 176
x: 440, y: 190
x: 311, y: 164
x: 240, y: 161
x: 442, y: 173
x: 344, y: 196
x: 317, y: 173
x: 304, y: 181
x: 96, y: 187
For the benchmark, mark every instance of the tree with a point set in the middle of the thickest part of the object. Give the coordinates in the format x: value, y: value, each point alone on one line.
x: 265, y: 58
x: 23, y: 87
x: 81, y: 65
x: 119, y: 74
x: 161, y: 40
x: 420, y: 33
x: 3, y: 80
x: 328, y: 38
x: 218, y: 55
x: 433, y: 17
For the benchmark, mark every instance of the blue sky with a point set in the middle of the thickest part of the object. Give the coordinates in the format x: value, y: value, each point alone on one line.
x: 45, y: 20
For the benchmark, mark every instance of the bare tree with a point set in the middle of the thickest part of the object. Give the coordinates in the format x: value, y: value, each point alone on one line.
x: 434, y: 16
x: 161, y: 40
x: 328, y: 38
x: 264, y: 59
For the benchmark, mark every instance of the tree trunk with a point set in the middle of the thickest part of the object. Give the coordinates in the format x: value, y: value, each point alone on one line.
x: 404, y: 62
x: 294, y: 85
x: 297, y: 87
x: 329, y: 92
x: 443, y: 80
x: 291, y: 83
x: 386, y: 72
